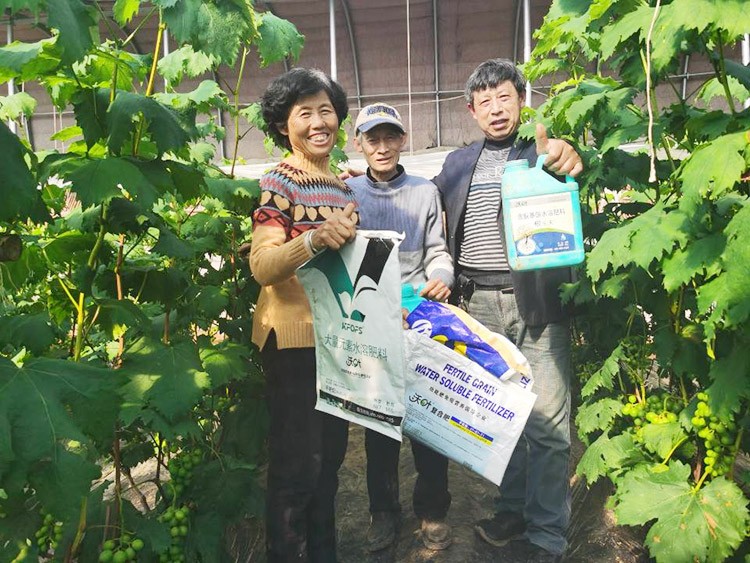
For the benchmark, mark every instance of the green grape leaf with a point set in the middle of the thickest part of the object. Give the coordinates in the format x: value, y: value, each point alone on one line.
x: 163, y: 122
x: 90, y: 108
x: 738, y: 71
x: 211, y: 300
x: 32, y: 332
x: 181, y: 17
x: 231, y: 190
x: 184, y: 62
x: 661, y: 438
x: 14, y: 275
x: 189, y: 182
x: 67, y: 133
x: 659, y: 231
x: 76, y: 27
x: 683, y: 352
x: 623, y: 28
x: 217, y: 29
x: 27, y: 61
x: 168, y: 379
x: 254, y: 116
x: 34, y: 6
x: 63, y: 247
x: 206, y: 91
x: 640, y: 241
x: 726, y: 298
x: 224, y: 363
x: 124, y: 10
x: 100, y: 180
x: 224, y: 485
x: 18, y: 191
x: 730, y: 384
x: 706, y: 126
x: 114, y: 313
x: 133, y: 453
x: 17, y: 105
x: 730, y: 15
x: 206, y: 95
x: 713, y: 88
x: 158, y: 286
x: 606, y: 454
x: 714, y: 168
x: 597, y: 415
x: 202, y: 152
x: 609, y: 249
x: 246, y: 426
x: 170, y: 244
x: 583, y: 107
x: 63, y: 481
x: 613, y: 286
x: 604, y: 377
x: 703, y: 525
x: 695, y: 259
x: 279, y: 39
x: 46, y: 402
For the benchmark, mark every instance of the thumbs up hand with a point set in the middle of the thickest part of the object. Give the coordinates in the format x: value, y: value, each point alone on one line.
x: 562, y: 158
x: 337, y: 230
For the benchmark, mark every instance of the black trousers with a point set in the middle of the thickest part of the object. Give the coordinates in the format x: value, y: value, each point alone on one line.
x: 431, y: 497
x: 306, y: 449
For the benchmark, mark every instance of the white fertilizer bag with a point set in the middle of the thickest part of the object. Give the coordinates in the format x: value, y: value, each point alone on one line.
x: 355, y: 297
x: 462, y: 411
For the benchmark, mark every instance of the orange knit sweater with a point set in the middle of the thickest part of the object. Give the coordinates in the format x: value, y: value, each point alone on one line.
x: 294, y: 199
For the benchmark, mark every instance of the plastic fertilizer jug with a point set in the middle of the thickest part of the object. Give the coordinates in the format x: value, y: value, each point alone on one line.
x: 542, y: 218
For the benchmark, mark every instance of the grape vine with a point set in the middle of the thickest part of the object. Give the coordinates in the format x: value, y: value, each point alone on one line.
x: 662, y: 327
x: 125, y: 302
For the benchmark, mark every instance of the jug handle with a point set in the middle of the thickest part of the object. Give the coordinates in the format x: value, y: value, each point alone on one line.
x: 540, y: 162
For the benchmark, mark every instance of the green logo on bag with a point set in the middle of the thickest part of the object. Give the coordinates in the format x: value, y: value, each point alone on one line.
x: 370, y: 269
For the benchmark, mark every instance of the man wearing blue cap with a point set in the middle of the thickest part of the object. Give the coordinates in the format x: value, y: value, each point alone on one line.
x: 390, y: 199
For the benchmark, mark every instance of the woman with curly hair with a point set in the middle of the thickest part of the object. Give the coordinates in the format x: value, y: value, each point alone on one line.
x: 303, y: 209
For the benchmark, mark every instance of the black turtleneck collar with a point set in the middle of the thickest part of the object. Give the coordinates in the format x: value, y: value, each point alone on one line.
x: 500, y: 145
x: 399, y: 171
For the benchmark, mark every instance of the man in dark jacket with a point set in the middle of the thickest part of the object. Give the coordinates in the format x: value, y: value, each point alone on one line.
x: 533, y: 507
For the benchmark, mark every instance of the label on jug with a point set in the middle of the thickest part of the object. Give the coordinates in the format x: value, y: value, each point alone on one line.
x: 542, y: 224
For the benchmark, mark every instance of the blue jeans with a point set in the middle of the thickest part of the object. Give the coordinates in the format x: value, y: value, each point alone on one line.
x: 536, y: 483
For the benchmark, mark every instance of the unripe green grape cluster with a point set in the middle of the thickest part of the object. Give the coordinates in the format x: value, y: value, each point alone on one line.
x: 658, y: 408
x: 177, y: 519
x: 718, y: 436
x: 181, y: 469
x: 50, y: 533
x: 122, y: 550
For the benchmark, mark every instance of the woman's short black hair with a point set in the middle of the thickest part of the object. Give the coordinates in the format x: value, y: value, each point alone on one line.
x: 286, y: 90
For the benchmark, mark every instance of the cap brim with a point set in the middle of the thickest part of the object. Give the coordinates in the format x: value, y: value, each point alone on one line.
x: 365, y: 127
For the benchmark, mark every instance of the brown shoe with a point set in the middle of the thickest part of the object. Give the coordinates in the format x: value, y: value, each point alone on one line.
x: 382, y: 531
x: 436, y: 534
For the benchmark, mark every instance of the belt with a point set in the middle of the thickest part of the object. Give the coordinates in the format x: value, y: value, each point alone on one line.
x: 467, y: 286
x: 502, y: 288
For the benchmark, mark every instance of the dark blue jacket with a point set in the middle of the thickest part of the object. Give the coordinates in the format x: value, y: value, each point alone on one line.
x: 538, y: 291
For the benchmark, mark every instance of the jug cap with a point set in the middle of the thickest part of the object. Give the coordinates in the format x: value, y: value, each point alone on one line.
x: 410, y: 297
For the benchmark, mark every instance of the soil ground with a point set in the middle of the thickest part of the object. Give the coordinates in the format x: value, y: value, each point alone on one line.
x: 593, y: 537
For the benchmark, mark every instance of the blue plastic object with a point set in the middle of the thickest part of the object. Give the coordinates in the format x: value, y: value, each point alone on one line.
x: 542, y: 218
x: 410, y: 297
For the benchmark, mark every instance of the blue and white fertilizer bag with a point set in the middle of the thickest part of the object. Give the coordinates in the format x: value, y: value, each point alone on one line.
x: 455, y: 406
x: 355, y: 297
